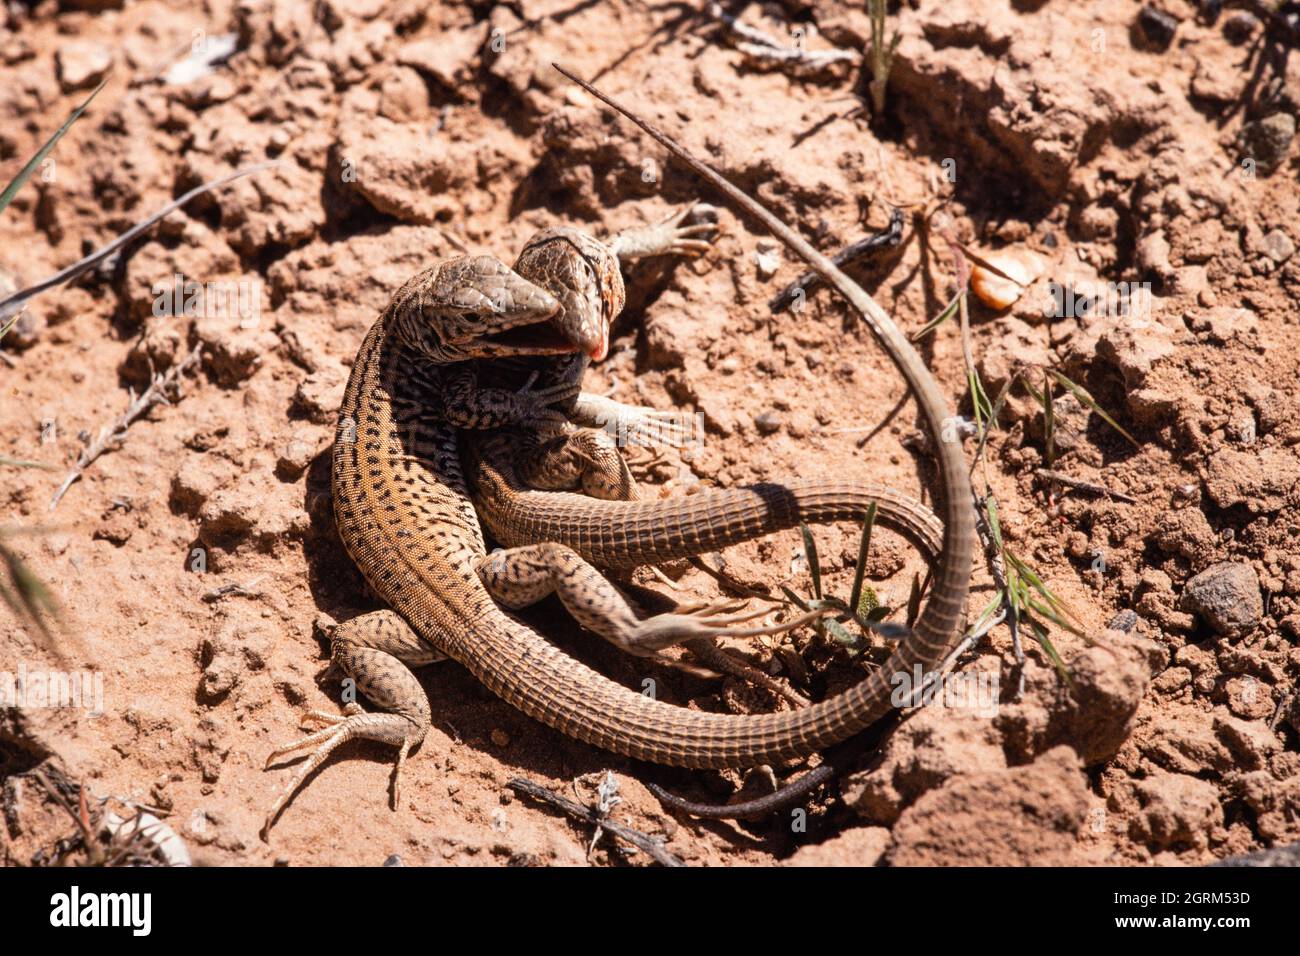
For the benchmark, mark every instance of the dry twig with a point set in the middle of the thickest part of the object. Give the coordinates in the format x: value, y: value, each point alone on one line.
x: 654, y: 846
x: 113, y: 434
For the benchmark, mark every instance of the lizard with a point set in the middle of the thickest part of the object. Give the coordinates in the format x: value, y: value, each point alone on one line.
x: 403, y: 511
x: 500, y: 494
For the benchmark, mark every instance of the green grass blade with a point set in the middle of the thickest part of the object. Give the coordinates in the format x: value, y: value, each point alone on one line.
x: 795, y: 599
x: 1084, y: 396
x: 948, y: 312
x: 25, y: 173
x: 1040, y: 635
x: 995, y: 529
x: 864, y: 547
x: 814, y: 564
x: 1049, y: 421
x: 914, y: 601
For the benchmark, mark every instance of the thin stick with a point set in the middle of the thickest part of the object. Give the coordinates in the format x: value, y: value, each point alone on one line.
x: 654, y: 846
x: 113, y: 434
x: 1082, y: 485
x: 754, y: 42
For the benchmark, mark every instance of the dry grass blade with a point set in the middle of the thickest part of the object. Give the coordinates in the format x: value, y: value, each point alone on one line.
x: 24, y: 594
x: 99, y: 255
x: 654, y: 846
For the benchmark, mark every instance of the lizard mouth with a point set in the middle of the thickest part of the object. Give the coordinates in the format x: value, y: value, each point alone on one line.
x: 550, y: 338
x: 543, y: 338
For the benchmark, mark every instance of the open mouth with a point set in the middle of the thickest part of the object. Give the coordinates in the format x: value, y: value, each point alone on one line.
x: 540, y: 337
x: 549, y: 338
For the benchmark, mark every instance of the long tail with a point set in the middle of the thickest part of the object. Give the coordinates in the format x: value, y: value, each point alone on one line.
x: 624, y: 534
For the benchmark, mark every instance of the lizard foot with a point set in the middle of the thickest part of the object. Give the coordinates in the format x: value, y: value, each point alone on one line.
x: 535, y: 405
x: 353, y: 724
x: 668, y: 237
x: 692, y: 622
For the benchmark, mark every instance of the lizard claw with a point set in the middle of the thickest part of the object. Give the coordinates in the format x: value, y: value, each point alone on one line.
x: 535, y: 404
x: 355, y: 723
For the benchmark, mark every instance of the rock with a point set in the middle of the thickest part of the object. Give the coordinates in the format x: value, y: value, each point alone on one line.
x: 1176, y: 811
x: 1249, y: 697
x: 1183, y: 740
x: 1185, y: 532
x: 232, y: 354
x: 1157, y: 28
x: 1240, y: 26
x: 1016, y: 816
x: 767, y: 258
x: 406, y: 171
x: 403, y: 96
x: 1277, y: 245
x: 1275, y: 804
x: 1133, y: 347
x: 320, y: 394
x: 449, y: 58
x: 1095, y: 713
x: 1267, y: 141
x: 1226, y: 596
x: 1262, y: 481
x: 197, y: 479
x: 1018, y: 344
x: 934, y: 744
x: 856, y: 846
x: 82, y: 64
x: 1110, y: 678
x: 768, y: 423
x: 296, y: 455
x: 1250, y: 741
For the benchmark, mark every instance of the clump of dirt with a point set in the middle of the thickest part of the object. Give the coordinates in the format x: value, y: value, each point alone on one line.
x: 197, y: 565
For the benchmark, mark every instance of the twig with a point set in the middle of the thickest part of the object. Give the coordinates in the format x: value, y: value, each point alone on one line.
x: 754, y: 42
x: 642, y: 841
x: 887, y: 238
x: 111, y: 435
x: 241, y: 590
x: 1081, y: 485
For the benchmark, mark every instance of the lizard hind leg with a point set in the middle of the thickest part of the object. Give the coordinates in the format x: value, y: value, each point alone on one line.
x: 375, y: 651
x: 517, y: 577
x: 588, y: 458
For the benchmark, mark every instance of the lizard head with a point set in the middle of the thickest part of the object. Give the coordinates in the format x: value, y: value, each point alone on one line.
x: 583, y: 275
x: 474, y: 307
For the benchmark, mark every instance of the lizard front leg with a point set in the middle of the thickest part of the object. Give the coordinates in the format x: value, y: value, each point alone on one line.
x: 586, y: 459
x: 518, y: 577
x: 466, y: 405
x: 668, y: 237
x: 376, y: 652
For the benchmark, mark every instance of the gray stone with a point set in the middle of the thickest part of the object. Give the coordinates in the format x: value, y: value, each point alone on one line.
x: 1227, y: 596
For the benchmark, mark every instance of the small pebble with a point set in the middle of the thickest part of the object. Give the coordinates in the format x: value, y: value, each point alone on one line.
x: 767, y: 423
x: 1240, y: 27
x: 1157, y: 27
x: 500, y: 737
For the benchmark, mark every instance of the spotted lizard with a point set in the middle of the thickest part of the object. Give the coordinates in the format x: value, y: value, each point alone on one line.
x: 404, y: 513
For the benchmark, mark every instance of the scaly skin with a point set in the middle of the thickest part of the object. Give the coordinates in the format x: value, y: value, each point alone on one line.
x: 404, y: 514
